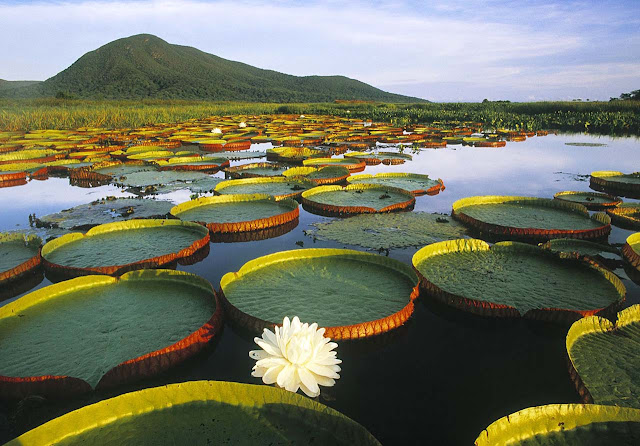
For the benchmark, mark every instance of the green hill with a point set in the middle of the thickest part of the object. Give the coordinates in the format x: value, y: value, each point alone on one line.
x: 145, y: 66
x: 10, y: 85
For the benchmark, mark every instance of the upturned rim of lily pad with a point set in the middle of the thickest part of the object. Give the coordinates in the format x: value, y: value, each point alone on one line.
x: 116, y: 270
x: 623, y: 215
x: 594, y: 325
x: 337, y: 174
x: 143, y: 366
x: 290, y: 214
x: 610, y: 180
x: 531, y: 234
x: 534, y: 422
x: 629, y: 253
x: 493, y: 309
x: 354, y: 331
x: 353, y: 164
x: 198, y: 394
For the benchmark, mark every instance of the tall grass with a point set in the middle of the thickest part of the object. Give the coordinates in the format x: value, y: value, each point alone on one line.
x: 617, y: 117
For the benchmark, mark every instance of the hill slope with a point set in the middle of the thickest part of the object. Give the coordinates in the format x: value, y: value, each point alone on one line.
x: 9, y: 85
x: 145, y: 66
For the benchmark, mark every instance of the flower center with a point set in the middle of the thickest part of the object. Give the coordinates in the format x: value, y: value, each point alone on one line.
x: 299, y: 348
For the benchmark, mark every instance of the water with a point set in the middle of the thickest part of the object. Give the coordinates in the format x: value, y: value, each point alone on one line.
x: 445, y: 375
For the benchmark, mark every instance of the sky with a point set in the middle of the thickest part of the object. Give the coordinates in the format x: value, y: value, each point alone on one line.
x: 441, y: 50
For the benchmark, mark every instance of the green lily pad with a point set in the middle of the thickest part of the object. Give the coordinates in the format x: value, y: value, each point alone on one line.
x: 381, y: 157
x: 627, y: 216
x: 511, y: 279
x: 105, y: 211
x: 256, y: 170
x: 631, y: 250
x: 530, y: 217
x: 356, y: 199
x: 201, y: 412
x: 605, y: 357
x: 119, y: 170
x: 240, y: 155
x: 564, y: 424
x: 319, y: 176
x: 156, y: 177
x: 351, y: 293
x: 19, y: 253
x: 352, y: 164
x: 238, y: 212
x: 279, y: 187
x: 416, y: 183
x: 590, y: 200
x: 388, y: 231
x: 113, y: 248
x: 625, y: 184
x: 584, y: 248
x: 86, y: 328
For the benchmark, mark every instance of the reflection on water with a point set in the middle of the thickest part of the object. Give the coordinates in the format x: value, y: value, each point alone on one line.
x: 447, y: 373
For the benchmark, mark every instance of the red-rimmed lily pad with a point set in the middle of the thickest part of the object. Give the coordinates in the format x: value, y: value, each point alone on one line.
x: 351, y: 293
x: 604, y: 360
x: 605, y: 254
x: 201, y: 412
x: 352, y: 164
x: 418, y: 184
x: 357, y: 199
x: 627, y: 216
x: 101, y: 331
x: 530, y: 218
x: 202, y: 163
x: 238, y: 212
x: 115, y: 248
x: 511, y: 279
x: 374, y: 158
x: 591, y: 200
x: 624, y: 184
x: 564, y: 424
x: 19, y: 255
x: 631, y: 250
x: 279, y: 187
x: 319, y: 176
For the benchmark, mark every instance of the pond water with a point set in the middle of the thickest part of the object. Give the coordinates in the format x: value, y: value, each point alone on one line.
x: 441, y: 378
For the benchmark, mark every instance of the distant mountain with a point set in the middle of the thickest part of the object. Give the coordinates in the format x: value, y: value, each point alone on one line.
x: 9, y: 85
x: 145, y: 66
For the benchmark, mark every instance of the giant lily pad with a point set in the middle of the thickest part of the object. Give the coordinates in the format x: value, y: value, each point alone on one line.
x: 105, y: 211
x: 590, y: 200
x: 100, y: 331
x: 254, y: 170
x: 19, y: 255
x: 238, y: 212
x: 618, y: 182
x: 319, y: 176
x: 608, y: 255
x: 240, y: 155
x: 356, y: 199
x: 201, y: 412
x: 631, y: 250
x: 387, y: 231
x: 279, y: 187
x: 115, y: 248
x: 202, y: 163
x: 416, y: 183
x: 564, y: 424
x: 605, y: 363
x: 627, y: 215
x: 293, y: 154
x: 515, y: 279
x: 371, y: 158
x: 530, y: 218
x: 352, y: 164
x: 351, y: 293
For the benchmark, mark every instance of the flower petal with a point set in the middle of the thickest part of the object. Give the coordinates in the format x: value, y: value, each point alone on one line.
x: 307, y: 378
x: 308, y: 391
x: 271, y: 375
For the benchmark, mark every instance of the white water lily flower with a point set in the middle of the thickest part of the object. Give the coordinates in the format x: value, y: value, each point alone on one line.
x: 296, y: 356
x: 216, y: 130
x: 242, y: 124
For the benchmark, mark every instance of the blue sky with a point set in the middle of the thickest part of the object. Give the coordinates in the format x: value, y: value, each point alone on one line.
x: 439, y: 50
